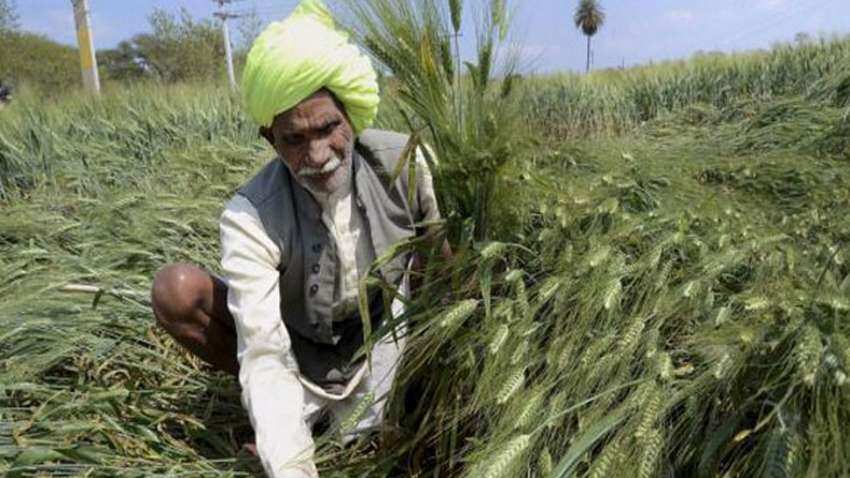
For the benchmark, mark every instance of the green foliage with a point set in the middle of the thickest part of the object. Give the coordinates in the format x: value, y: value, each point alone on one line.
x: 39, y: 63
x: 178, y: 49
x: 122, y: 63
x: 675, y: 302
x: 105, y: 193
x: 181, y: 49
x: 8, y: 16
x: 589, y: 16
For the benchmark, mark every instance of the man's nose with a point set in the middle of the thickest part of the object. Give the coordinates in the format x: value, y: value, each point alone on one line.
x: 318, y: 153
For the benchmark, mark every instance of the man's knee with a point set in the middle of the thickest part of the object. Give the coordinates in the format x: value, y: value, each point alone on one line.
x: 177, y: 294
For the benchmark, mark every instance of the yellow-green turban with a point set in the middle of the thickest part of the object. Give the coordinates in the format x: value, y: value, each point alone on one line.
x: 294, y: 58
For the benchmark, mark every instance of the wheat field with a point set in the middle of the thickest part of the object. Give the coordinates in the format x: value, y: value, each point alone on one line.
x: 652, y: 271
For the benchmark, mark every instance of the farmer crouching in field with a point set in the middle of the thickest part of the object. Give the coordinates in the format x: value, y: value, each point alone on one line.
x: 295, y: 241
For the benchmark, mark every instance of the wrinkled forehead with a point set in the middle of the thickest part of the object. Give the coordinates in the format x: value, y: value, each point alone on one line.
x: 314, y: 112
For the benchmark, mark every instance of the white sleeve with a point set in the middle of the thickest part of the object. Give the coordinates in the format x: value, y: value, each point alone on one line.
x: 271, y: 392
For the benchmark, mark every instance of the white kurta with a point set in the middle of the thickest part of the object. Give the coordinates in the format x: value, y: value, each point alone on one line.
x: 281, y: 404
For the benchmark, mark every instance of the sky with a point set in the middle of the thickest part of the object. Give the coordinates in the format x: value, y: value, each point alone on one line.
x: 635, y: 31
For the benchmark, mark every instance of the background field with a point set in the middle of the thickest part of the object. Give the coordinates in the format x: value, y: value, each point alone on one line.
x: 665, y: 292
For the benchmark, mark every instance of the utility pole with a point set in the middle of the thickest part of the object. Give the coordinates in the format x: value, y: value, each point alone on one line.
x: 88, y: 61
x: 224, y: 16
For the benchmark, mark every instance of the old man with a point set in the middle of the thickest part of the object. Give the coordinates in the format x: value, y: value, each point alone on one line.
x: 297, y: 238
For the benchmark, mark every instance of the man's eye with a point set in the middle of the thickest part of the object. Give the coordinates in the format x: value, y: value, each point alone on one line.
x: 328, y: 128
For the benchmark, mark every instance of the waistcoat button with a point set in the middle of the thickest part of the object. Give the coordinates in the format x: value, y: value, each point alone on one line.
x: 315, y: 268
x: 317, y: 248
x: 313, y: 289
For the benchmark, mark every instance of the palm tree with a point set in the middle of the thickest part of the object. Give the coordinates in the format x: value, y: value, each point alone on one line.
x: 589, y: 17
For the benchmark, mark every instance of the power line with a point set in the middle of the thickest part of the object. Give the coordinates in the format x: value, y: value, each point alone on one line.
x: 265, y: 12
x: 263, y: 6
x: 777, y: 19
x: 260, y: 13
x: 272, y: 4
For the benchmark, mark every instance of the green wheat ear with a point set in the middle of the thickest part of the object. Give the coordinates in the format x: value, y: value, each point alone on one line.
x: 544, y: 462
x: 520, y: 352
x: 612, y: 294
x: 459, y: 313
x: 493, y: 250
x: 608, y: 460
x: 523, y: 308
x: 629, y: 340
x: 507, y: 458
x: 513, y: 383
x: 723, y: 315
x: 356, y: 414
x: 499, y: 339
x: 650, y: 404
x: 653, y: 445
x: 529, y: 412
x: 598, y: 256
x: 808, y: 353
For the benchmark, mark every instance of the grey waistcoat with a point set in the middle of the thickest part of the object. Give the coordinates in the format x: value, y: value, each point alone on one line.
x: 324, y: 348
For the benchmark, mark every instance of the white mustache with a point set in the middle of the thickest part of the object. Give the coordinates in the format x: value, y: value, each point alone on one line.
x: 330, y: 166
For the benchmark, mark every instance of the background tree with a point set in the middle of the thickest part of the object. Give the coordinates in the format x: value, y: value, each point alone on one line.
x: 122, y: 63
x: 176, y: 49
x: 589, y: 17
x: 802, y: 38
x: 34, y: 61
x: 38, y: 62
x: 181, y: 49
x: 8, y: 15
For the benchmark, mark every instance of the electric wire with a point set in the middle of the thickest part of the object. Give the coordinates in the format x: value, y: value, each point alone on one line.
x: 779, y: 18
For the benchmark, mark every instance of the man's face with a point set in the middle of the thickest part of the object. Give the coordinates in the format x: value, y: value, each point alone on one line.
x: 316, y: 141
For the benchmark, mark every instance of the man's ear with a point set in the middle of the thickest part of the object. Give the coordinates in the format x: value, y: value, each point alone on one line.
x: 267, y: 133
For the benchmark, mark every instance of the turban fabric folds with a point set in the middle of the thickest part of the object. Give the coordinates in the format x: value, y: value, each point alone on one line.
x: 294, y: 58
